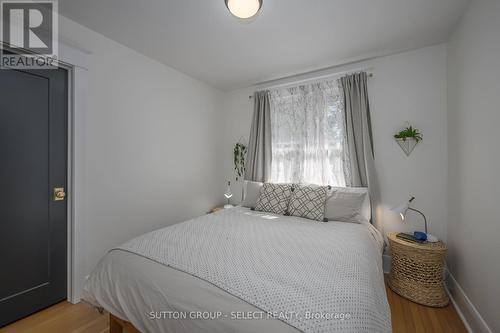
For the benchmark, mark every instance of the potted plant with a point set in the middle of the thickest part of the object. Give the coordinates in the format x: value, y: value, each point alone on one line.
x: 409, y: 132
x: 408, y: 138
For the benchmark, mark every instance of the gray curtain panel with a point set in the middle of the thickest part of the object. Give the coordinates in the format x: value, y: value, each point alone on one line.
x: 361, y: 162
x: 258, y: 165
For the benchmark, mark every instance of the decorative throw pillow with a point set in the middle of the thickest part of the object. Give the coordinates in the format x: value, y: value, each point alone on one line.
x: 274, y: 198
x: 308, y: 201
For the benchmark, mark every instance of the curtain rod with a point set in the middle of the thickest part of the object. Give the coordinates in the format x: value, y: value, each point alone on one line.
x: 369, y: 74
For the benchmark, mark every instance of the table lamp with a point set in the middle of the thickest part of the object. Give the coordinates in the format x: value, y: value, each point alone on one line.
x: 228, y: 194
x: 403, y: 208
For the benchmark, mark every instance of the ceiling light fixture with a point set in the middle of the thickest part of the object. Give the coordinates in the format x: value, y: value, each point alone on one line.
x: 243, y: 8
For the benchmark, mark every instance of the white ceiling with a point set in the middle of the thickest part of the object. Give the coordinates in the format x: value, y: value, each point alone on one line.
x: 202, y: 39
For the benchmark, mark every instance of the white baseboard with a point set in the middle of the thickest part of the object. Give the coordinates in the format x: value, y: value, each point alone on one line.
x: 465, y: 309
x: 471, y: 318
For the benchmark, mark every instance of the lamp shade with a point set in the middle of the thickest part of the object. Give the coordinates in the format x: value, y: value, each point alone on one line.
x: 401, y: 209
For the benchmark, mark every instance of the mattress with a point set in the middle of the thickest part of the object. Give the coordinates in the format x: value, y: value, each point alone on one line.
x: 157, y: 286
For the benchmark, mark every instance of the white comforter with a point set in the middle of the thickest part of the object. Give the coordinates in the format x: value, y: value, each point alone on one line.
x: 313, y: 276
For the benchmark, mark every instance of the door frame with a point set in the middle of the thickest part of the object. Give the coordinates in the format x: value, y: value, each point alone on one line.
x: 76, y: 61
x: 69, y: 182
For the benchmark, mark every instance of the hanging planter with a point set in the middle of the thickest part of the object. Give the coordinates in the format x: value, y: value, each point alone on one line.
x: 407, y: 145
x: 408, y: 138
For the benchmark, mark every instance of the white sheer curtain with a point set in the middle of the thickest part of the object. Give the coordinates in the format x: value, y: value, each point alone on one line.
x: 308, y: 134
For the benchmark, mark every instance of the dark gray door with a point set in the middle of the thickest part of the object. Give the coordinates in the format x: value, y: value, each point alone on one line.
x: 33, y: 157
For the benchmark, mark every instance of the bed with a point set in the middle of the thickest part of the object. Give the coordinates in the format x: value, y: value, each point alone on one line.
x: 239, y: 270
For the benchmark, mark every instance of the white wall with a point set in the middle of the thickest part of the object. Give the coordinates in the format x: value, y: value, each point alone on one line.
x: 474, y: 159
x: 146, y: 145
x: 151, y: 136
x: 406, y: 87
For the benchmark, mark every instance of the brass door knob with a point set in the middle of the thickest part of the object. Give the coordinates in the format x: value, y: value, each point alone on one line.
x: 59, y: 194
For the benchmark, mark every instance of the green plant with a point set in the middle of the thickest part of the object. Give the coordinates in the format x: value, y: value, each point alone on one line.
x: 409, y: 132
x: 240, y: 151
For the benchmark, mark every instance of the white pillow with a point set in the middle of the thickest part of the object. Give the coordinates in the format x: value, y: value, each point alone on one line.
x: 348, y: 204
x: 251, y: 192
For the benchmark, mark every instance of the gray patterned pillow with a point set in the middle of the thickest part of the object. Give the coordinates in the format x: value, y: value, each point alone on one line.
x: 309, y: 201
x: 274, y: 198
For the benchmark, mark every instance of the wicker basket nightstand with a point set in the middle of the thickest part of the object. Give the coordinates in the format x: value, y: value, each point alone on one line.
x: 417, y: 271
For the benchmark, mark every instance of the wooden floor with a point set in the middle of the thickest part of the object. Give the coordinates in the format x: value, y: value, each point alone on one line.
x: 412, y: 317
x: 62, y: 318
x: 80, y: 318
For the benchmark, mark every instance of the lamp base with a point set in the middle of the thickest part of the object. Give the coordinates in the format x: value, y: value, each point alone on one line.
x: 228, y: 206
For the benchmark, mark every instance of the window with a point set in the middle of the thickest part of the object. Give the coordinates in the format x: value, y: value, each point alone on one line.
x: 308, y: 134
